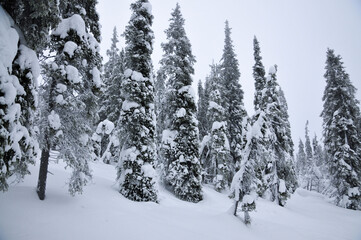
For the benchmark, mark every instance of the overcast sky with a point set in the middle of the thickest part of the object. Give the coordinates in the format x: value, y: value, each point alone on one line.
x: 292, y: 34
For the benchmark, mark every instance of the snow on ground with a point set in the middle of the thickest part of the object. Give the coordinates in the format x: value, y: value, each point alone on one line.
x: 103, y: 213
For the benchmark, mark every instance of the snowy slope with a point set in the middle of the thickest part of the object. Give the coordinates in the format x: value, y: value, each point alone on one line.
x: 102, y: 213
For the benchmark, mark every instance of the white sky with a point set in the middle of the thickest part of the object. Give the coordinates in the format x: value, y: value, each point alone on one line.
x: 294, y: 34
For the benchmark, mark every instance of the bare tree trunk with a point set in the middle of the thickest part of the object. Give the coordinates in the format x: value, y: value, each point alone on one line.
x: 43, y: 173
x: 235, y: 208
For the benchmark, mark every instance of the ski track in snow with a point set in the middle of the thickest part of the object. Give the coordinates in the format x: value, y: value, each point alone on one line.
x: 101, y: 212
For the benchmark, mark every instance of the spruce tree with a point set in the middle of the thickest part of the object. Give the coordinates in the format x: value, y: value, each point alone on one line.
x: 111, y: 100
x: 136, y: 172
x: 219, y: 158
x: 259, y: 75
x: 232, y: 95
x: 341, y: 137
x: 301, y: 162
x: 309, y: 159
x: 69, y: 103
x: 202, y: 111
x: 280, y: 173
x: 113, y: 71
x: 25, y: 37
x: 160, y: 110
x: 180, y: 137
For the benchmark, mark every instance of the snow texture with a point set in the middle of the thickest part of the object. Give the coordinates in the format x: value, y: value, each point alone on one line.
x: 148, y: 7
x: 105, y: 127
x: 54, y: 120
x: 70, y: 47
x: 272, y: 70
x: 149, y: 171
x: 60, y: 88
x: 96, y: 77
x: 9, y: 39
x: 72, y: 74
x: 137, y: 76
x: 217, y: 125
x: 180, y: 113
x: 74, y: 22
x: 127, y: 105
x: 282, y: 187
x: 100, y: 210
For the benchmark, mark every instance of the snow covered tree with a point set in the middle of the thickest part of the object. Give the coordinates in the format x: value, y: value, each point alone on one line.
x: 33, y: 20
x: 136, y: 172
x: 232, y: 95
x: 219, y: 164
x: 259, y: 75
x: 301, y: 162
x: 288, y: 142
x: 160, y: 110
x: 308, y: 148
x: 69, y: 103
x: 21, y: 34
x: 320, y: 169
x: 203, y: 104
x: 180, y: 137
x: 111, y: 100
x: 113, y: 73
x: 245, y: 183
x: 340, y: 115
x: 279, y: 173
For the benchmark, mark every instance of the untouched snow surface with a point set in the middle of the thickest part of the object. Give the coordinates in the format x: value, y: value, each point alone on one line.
x: 103, y: 213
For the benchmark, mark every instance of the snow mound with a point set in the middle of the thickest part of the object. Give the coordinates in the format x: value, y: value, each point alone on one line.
x: 74, y: 22
x: 101, y: 212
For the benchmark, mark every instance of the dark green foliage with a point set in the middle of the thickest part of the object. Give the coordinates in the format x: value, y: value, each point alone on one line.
x: 340, y: 115
x: 137, y: 118
x: 180, y: 137
x: 259, y: 75
x: 232, y: 96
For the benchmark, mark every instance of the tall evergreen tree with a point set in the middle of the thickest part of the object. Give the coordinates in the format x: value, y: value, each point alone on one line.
x: 136, y: 172
x: 259, y: 75
x: 232, y: 95
x: 111, y: 99
x: 342, y: 143
x: 18, y: 82
x: 289, y: 145
x: 202, y: 111
x: 69, y: 103
x: 301, y: 159
x: 180, y: 137
x: 280, y: 173
x: 219, y: 158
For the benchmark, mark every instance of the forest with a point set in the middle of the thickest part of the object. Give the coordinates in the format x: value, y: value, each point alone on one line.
x: 57, y: 96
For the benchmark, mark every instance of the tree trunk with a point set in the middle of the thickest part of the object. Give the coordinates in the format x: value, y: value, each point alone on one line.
x: 247, y: 218
x: 43, y: 173
x: 235, y: 208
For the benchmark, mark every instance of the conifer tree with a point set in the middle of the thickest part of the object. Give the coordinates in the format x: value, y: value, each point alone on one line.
x: 69, y: 103
x: 18, y: 82
x: 136, y: 172
x: 320, y: 169
x: 180, y: 137
x: 111, y: 100
x: 232, y: 95
x: 259, y: 75
x: 301, y: 159
x: 160, y: 110
x: 309, y: 160
x: 280, y: 174
x: 219, y: 158
x: 202, y: 111
x: 342, y: 143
